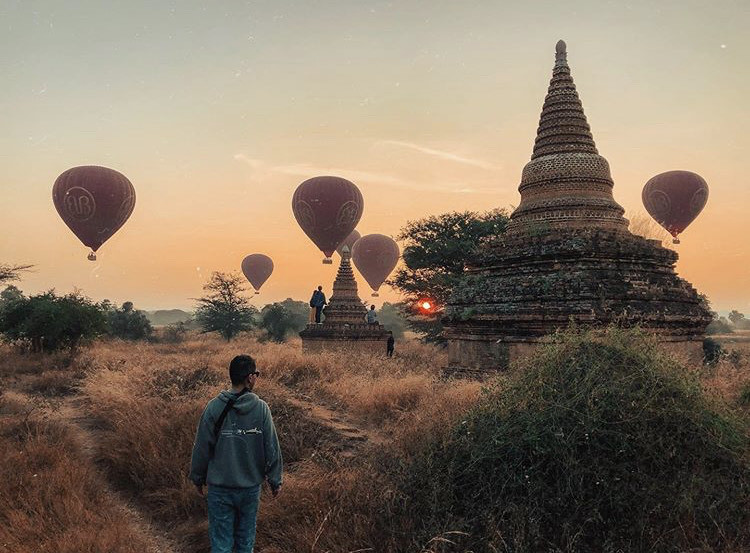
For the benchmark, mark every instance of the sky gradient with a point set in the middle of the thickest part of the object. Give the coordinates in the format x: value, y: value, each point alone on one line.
x: 217, y: 111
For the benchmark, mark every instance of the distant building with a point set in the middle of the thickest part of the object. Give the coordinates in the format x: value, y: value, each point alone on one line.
x: 567, y: 255
x: 344, y: 326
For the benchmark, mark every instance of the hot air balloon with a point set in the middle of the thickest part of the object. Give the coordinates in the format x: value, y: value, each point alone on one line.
x: 257, y: 268
x: 349, y: 241
x: 327, y: 209
x: 375, y: 256
x: 94, y: 202
x: 674, y: 199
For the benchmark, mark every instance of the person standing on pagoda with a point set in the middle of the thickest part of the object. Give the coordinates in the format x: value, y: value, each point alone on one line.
x: 318, y: 302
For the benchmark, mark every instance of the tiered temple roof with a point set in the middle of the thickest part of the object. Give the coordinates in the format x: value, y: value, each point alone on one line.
x: 567, y: 254
x: 344, y: 324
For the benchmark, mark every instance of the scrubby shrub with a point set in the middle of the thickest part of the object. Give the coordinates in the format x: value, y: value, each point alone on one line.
x: 128, y: 323
x: 48, y: 322
x: 598, y: 444
x: 174, y: 333
x: 281, y: 319
x: 712, y: 352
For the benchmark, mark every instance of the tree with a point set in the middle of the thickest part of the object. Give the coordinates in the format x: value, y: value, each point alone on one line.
x: 11, y: 272
x: 435, y: 253
x: 50, y: 322
x: 10, y: 295
x: 736, y: 317
x: 283, y: 318
x: 127, y: 323
x: 392, y: 318
x: 223, y: 309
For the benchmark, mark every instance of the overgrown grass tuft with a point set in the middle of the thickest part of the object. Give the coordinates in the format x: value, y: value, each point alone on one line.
x: 599, y: 443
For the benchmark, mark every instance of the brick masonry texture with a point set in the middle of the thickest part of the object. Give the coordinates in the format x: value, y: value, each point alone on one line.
x: 567, y: 255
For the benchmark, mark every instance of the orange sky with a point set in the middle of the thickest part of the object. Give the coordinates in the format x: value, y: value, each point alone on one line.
x: 216, y: 114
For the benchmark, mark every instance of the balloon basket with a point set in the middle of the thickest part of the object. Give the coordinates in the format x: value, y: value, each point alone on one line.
x: 91, y: 256
x: 675, y: 240
x: 375, y: 295
x: 328, y: 261
x: 257, y: 293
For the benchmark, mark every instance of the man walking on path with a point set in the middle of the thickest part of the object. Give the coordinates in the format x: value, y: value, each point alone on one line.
x: 389, y: 346
x: 236, y: 448
x: 318, y: 301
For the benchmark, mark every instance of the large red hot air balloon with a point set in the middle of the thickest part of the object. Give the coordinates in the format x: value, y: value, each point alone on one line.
x: 674, y: 199
x: 94, y: 202
x: 375, y: 256
x: 349, y: 241
x: 257, y: 268
x: 327, y: 209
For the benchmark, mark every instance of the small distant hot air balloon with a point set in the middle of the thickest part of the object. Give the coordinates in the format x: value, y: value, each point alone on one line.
x: 94, y: 202
x: 349, y: 241
x: 375, y: 256
x: 674, y: 199
x: 257, y: 268
x: 327, y: 209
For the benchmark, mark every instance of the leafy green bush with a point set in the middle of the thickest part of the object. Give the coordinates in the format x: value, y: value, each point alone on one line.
x: 600, y: 443
x: 48, y: 322
x: 128, y: 323
x: 283, y: 318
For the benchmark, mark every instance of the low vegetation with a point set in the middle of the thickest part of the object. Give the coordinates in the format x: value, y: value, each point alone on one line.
x: 439, y: 465
x: 598, y: 444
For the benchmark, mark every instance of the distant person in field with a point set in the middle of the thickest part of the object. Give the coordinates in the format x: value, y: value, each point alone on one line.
x: 236, y: 448
x: 372, y: 316
x: 390, y: 345
x: 318, y: 301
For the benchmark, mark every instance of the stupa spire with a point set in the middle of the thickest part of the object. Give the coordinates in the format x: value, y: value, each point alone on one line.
x: 345, y: 305
x: 562, y: 125
x: 567, y: 184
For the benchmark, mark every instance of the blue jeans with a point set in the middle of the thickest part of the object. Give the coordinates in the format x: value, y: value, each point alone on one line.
x: 231, y: 518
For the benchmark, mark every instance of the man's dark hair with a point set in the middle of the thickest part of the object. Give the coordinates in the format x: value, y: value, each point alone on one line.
x: 372, y: 307
x: 240, y: 368
x: 320, y: 287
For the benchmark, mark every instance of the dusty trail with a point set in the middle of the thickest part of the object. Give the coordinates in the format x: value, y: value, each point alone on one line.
x: 69, y: 413
x: 352, y: 435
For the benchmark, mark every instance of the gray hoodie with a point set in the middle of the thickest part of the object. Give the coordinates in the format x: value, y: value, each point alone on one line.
x: 248, y: 451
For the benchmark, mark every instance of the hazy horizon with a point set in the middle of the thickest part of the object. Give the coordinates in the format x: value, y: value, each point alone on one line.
x: 216, y: 114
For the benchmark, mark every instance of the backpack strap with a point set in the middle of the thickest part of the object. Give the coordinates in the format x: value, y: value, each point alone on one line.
x: 220, y: 421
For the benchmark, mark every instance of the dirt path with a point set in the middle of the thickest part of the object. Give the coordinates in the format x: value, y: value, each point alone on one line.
x: 350, y: 434
x: 69, y: 412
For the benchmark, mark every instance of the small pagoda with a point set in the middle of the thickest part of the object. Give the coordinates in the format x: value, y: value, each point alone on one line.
x: 344, y: 325
x: 567, y: 255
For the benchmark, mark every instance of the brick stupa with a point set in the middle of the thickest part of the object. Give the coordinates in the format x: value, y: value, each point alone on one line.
x: 344, y: 326
x: 567, y: 255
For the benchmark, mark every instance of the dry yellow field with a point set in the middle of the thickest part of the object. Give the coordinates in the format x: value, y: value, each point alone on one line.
x: 95, y: 449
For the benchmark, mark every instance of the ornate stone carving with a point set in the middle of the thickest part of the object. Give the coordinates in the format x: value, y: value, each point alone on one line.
x: 567, y: 254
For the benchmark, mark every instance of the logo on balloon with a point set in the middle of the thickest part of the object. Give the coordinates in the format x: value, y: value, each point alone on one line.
x: 80, y: 204
x: 659, y: 204
x: 305, y: 215
x: 348, y: 215
x: 126, y: 208
x: 698, y: 201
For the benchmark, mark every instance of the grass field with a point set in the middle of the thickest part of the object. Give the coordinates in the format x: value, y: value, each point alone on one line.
x: 95, y: 448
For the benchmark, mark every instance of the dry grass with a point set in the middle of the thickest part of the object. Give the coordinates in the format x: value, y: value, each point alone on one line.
x: 51, y: 499
x: 729, y: 380
x: 144, y: 401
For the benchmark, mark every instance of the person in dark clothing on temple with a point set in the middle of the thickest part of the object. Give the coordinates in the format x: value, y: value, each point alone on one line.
x: 318, y: 301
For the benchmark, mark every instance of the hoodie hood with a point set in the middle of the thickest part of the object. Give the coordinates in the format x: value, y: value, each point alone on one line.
x: 244, y: 403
